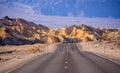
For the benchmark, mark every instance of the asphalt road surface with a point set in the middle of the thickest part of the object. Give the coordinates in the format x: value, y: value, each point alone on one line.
x: 69, y: 59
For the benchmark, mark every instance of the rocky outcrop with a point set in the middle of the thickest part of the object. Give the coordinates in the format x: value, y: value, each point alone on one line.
x: 16, y: 31
x: 111, y: 34
x: 78, y: 33
x: 84, y: 33
x: 19, y: 31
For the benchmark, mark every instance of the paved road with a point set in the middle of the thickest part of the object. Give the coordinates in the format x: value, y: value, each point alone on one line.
x: 69, y: 59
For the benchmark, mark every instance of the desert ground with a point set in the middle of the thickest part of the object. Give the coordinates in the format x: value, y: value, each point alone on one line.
x: 106, y: 49
x: 12, y: 57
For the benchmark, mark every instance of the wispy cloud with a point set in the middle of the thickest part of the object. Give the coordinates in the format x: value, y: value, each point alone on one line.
x: 58, y: 2
x: 81, y: 14
x: 70, y: 14
x: 2, y: 0
x: 27, y: 12
x: 18, y: 10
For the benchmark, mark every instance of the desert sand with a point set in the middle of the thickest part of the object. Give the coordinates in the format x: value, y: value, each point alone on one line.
x: 14, y: 56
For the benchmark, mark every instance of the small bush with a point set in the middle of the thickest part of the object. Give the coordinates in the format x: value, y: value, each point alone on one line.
x: 18, y: 58
x: 16, y: 52
x: 34, y: 49
x: 104, y: 37
x: 4, y: 59
x: 118, y: 44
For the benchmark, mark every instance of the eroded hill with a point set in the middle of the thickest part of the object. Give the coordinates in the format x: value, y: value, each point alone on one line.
x: 19, y: 31
x: 16, y: 31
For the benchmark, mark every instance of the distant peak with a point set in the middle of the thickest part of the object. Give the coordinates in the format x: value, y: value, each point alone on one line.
x: 74, y: 25
x: 6, y: 18
x: 83, y: 25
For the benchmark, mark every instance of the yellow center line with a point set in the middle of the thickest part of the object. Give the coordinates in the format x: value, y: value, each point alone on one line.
x: 66, y: 59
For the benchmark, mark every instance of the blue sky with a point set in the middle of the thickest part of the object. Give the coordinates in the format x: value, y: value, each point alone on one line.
x: 62, y: 13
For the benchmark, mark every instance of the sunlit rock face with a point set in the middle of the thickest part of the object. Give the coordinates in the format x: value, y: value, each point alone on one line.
x: 16, y: 31
x: 84, y: 33
x: 20, y: 31
x: 79, y: 33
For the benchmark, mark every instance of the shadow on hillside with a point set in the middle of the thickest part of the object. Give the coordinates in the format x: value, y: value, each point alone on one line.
x: 16, y: 41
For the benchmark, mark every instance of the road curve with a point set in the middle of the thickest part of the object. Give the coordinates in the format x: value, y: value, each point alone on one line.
x: 69, y: 59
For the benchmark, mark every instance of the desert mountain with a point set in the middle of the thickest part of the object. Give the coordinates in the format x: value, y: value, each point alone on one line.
x: 77, y: 33
x: 19, y: 31
x: 111, y: 34
x: 87, y: 33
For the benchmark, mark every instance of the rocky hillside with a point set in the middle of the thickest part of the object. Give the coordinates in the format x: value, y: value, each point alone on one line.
x: 77, y: 33
x: 111, y: 34
x: 19, y: 31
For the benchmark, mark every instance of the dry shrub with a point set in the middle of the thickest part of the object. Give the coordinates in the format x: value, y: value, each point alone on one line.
x: 18, y: 58
x: 4, y: 59
x: 37, y: 48
x: 118, y: 44
x: 34, y: 49
x: 0, y: 59
x: 104, y: 37
x: 15, y: 51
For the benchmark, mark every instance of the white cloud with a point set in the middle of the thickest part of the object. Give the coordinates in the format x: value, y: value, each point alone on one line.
x: 58, y: 2
x: 81, y: 14
x: 27, y: 12
x: 18, y: 10
x: 2, y: 0
x: 24, y: 8
x: 70, y: 14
